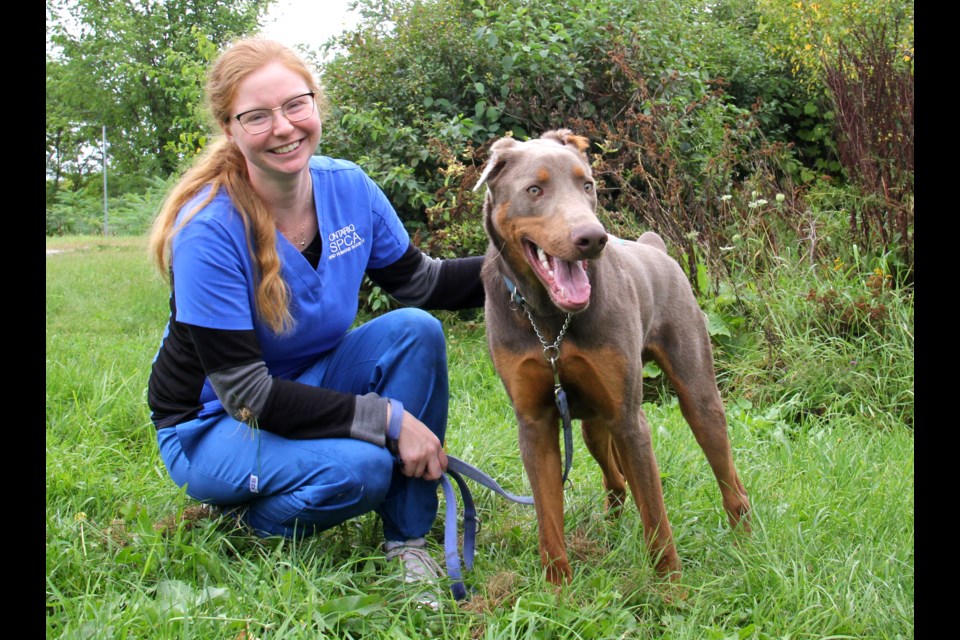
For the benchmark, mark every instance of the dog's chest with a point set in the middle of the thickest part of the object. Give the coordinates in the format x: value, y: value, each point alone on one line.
x: 595, y: 379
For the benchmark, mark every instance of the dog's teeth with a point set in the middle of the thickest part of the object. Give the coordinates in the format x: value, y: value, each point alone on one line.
x: 542, y: 255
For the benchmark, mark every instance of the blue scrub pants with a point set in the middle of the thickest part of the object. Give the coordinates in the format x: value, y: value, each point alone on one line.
x: 296, y: 488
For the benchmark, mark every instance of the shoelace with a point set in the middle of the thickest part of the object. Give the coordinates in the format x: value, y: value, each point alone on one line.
x: 423, y: 565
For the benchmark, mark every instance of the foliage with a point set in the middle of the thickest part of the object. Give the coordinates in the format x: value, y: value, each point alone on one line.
x: 75, y: 214
x: 690, y: 112
x: 452, y: 228
x: 127, y: 214
x: 389, y: 141
x: 814, y: 326
x: 136, y: 68
x: 808, y: 34
x: 524, y: 67
x: 872, y: 92
x: 396, y: 36
x: 686, y: 105
x: 373, y: 299
x: 387, y: 119
x: 74, y: 154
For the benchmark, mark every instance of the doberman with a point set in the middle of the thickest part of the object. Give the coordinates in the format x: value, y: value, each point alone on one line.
x: 569, y: 306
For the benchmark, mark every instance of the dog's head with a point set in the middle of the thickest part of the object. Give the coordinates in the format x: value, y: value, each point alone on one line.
x: 539, y: 213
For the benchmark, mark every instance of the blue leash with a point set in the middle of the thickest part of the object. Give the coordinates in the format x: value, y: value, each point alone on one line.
x: 457, y: 468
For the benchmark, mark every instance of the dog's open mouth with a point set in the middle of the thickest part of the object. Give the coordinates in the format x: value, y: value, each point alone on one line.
x: 566, y: 282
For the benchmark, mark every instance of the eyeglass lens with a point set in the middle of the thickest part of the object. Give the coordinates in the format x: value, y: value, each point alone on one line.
x: 295, y: 110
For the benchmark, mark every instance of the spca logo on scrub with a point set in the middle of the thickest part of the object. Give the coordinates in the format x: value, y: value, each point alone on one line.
x: 343, y: 241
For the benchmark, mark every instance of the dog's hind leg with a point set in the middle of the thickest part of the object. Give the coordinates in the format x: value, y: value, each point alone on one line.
x: 600, y: 444
x: 693, y: 379
x: 706, y: 418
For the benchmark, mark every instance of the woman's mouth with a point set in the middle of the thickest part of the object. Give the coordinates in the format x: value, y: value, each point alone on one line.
x: 293, y: 146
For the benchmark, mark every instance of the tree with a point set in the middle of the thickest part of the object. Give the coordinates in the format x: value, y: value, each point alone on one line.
x: 135, y: 67
x: 69, y: 162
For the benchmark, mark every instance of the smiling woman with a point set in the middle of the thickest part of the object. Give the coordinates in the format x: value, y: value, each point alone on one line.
x: 308, y: 22
x: 268, y: 400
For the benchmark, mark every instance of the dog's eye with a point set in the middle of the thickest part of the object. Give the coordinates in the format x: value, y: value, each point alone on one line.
x: 588, y: 187
x: 534, y: 190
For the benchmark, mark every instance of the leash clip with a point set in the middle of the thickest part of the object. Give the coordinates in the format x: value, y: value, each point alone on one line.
x: 552, y: 359
x: 551, y: 353
x: 516, y: 301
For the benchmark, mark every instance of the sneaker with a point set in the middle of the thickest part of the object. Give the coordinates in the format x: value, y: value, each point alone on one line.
x: 418, y: 567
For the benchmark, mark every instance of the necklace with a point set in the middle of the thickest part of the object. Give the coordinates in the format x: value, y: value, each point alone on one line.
x: 301, y: 235
x: 306, y: 213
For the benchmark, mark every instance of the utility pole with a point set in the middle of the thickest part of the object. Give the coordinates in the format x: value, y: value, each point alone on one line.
x: 106, y: 227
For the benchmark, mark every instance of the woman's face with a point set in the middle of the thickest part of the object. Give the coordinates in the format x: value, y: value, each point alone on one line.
x: 285, y: 148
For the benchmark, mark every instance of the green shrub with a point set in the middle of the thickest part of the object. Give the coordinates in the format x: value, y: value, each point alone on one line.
x: 127, y: 214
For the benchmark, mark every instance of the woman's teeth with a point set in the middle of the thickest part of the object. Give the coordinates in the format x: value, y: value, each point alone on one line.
x: 287, y: 149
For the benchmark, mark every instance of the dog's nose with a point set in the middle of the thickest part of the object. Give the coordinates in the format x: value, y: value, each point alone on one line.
x: 589, y: 239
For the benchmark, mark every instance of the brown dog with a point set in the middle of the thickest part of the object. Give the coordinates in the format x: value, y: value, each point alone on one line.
x: 551, y: 262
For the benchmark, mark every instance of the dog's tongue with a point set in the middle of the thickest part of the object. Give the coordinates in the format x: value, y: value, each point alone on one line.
x: 573, y: 285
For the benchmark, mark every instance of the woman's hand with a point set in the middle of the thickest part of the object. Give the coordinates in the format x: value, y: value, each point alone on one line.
x: 421, y: 451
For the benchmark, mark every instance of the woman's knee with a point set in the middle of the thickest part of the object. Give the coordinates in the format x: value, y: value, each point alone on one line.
x: 317, y: 505
x: 427, y: 330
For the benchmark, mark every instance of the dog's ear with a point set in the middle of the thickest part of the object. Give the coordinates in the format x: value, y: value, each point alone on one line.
x: 569, y: 138
x: 497, y: 160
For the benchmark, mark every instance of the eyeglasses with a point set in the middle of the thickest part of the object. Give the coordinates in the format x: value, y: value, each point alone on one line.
x: 261, y: 120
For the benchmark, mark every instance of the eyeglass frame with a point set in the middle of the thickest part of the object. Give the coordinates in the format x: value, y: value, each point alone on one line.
x: 281, y: 109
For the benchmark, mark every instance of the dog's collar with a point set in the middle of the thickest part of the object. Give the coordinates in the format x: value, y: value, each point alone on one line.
x: 550, y: 351
x: 514, y: 293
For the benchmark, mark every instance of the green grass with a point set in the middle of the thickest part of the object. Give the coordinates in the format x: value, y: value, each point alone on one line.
x: 127, y: 556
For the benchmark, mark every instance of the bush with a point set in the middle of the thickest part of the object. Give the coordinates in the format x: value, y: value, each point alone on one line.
x: 871, y: 89
x: 82, y: 213
x: 685, y: 88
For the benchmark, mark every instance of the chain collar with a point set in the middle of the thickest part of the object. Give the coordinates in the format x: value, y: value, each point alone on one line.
x: 551, y: 352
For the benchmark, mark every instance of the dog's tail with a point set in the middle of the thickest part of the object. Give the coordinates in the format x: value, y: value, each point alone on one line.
x: 652, y: 239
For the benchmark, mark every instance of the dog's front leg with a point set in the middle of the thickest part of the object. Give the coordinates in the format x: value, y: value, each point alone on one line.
x: 635, y: 446
x: 540, y: 451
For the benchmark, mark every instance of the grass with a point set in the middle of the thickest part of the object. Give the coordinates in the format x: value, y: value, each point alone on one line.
x: 129, y: 556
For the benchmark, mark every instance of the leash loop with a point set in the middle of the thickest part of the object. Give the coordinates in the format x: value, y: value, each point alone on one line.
x: 471, y: 521
x: 452, y: 556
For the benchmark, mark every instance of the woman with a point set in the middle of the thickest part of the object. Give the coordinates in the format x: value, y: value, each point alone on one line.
x: 266, y: 402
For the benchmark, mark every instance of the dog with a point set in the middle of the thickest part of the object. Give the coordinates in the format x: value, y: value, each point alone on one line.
x: 570, y: 307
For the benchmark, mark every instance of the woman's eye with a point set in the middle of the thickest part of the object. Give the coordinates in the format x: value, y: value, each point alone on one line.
x: 295, y: 106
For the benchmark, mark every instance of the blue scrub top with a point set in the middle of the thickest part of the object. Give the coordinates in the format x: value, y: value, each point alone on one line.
x: 214, y: 272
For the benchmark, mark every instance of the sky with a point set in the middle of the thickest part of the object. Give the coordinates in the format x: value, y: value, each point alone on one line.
x: 309, y: 22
